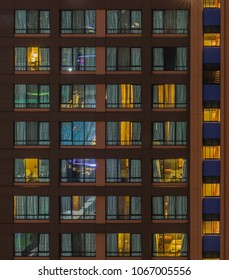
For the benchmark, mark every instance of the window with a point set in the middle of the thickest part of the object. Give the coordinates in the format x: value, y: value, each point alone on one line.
x: 78, y: 207
x: 31, y: 170
x: 169, y: 133
x: 211, y: 39
x: 170, y: 59
x: 124, y: 21
x: 170, y: 170
x: 78, y: 59
x: 211, y: 227
x: 211, y: 114
x: 124, y: 96
x: 78, y: 22
x: 31, y: 207
x: 78, y: 96
x: 78, y: 245
x: 211, y: 3
x: 211, y: 189
x: 32, y: 22
x: 170, y: 21
x: 78, y: 170
x: 169, y: 207
x: 170, y: 244
x: 78, y: 133
x: 123, y: 133
x: 123, y: 208
x: 169, y: 96
x: 32, y: 59
x: 123, y: 170
x: 211, y: 73
x: 123, y: 245
x: 123, y: 59
x: 211, y: 152
x: 31, y: 133
x: 31, y: 245
x: 31, y: 96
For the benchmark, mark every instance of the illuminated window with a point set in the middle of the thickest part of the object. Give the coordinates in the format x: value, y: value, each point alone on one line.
x: 124, y: 21
x: 211, y: 3
x: 211, y: 39
x: 123, y: 208
x: 78, y: 59
x: 170, y: 21
x: 31, y: 207
x: 123, y: 133
x: 31, y: 170
x: 77, y: 207
x: 211, y: 152
x: 169, y: 133
x: 211, y: 115
x: 78, y: 170
x: 31, y: 133
x: 170, y: 59
x: 78, y: 22
x: 32, y: 59
x: 78, y: 96
x: 169, y: 170
x: 32, y: 22
x: 170, y: 245
x: 169, y: 207
x: 78, y: 245
x: 123, y: 96
x: 123, y: 245
x: 169, y: 96
x: 31, y: 96
x: 31, y: 245
x: 123, y: 170
x: 78, y: 133
x: 212, y: 189
x: 123, y: 59
x: 211, y: 227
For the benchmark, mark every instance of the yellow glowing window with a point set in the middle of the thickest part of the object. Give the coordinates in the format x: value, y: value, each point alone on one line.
x: 211, y: 39
x: 123, y: 244
x: 211, y: 189
x: 170, y: 245
x: 211, y: 115
x: 211, y: 227
x: 211, y: 152
x: 211, y: 3
x: 166, y: 96
x: 33, y: 58
x: 127, y: 98
x: 126, y: 133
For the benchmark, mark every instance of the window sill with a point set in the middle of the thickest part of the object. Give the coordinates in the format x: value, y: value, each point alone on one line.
x: 78, y: 184
x: 78, y: 258
x: 31, y: 110
x: 124, y: 35
x: 32, y: 221
x: 123, y: 184
x: 123, y: 147
x: 179, y: 35
x: 173, y: 72
x: 35, y: 184
x: 123, y: 109
x: 170, y: 184
x: 167, y: 221
x: 26, y: 72
x: 32, y: 34
x: 87, y: 147
x: 123, y: 221
x: 133, y: 72
x: 173, y: 147
x: 77, y: 221
x: 83, y: 72
x: 70, y: 35
x: 31, y: 147
x: 169, y: 109
x: 31, y: 258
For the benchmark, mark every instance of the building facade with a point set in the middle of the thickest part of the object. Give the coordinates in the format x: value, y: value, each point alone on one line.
x: 114, y: 129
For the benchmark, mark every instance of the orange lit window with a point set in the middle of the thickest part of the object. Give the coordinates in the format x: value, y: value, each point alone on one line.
x: 211, y: 189
x: 211, y: 152
x: 211, y: 39
x: 211, y: 3
x: 211, y: 227
x: 211, y: 115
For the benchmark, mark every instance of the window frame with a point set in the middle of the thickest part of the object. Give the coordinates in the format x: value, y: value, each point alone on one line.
x: 46, y: 31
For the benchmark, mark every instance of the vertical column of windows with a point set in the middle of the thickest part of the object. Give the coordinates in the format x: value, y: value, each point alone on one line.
x: 211, y: 131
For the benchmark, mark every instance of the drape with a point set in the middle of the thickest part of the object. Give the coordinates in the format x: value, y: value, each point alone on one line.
x: 78, y: 133
x: 78, y: 244
x: 157, y: 208
x: 31, y: 207
x: 181, y: 59
x: 85, y: 210
x: 158, y: 59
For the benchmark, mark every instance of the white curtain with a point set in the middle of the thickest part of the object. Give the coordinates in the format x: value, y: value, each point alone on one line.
x: 111, y: 244
x: 111, y: 59
x: 157, y: 208
x: 158, y: 59
x: 156, y: 171
x: 135, y: 170
x: 181, y: 96
x: 43, y: 170
x: 44, y: 59
x: 181, y: 207
x: 181, y: 133
x: 44, y: 22
x: 181, y: 59
x: 184, y: 246
x: 20, y: 21
x: 78, y: 244
x: 184, y: 171
x: 158, y: 22
x: 66, y: 22
x: 20, y: 59
x: 31, y: 207
x: 136, y: 247
x: 136, y: 59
